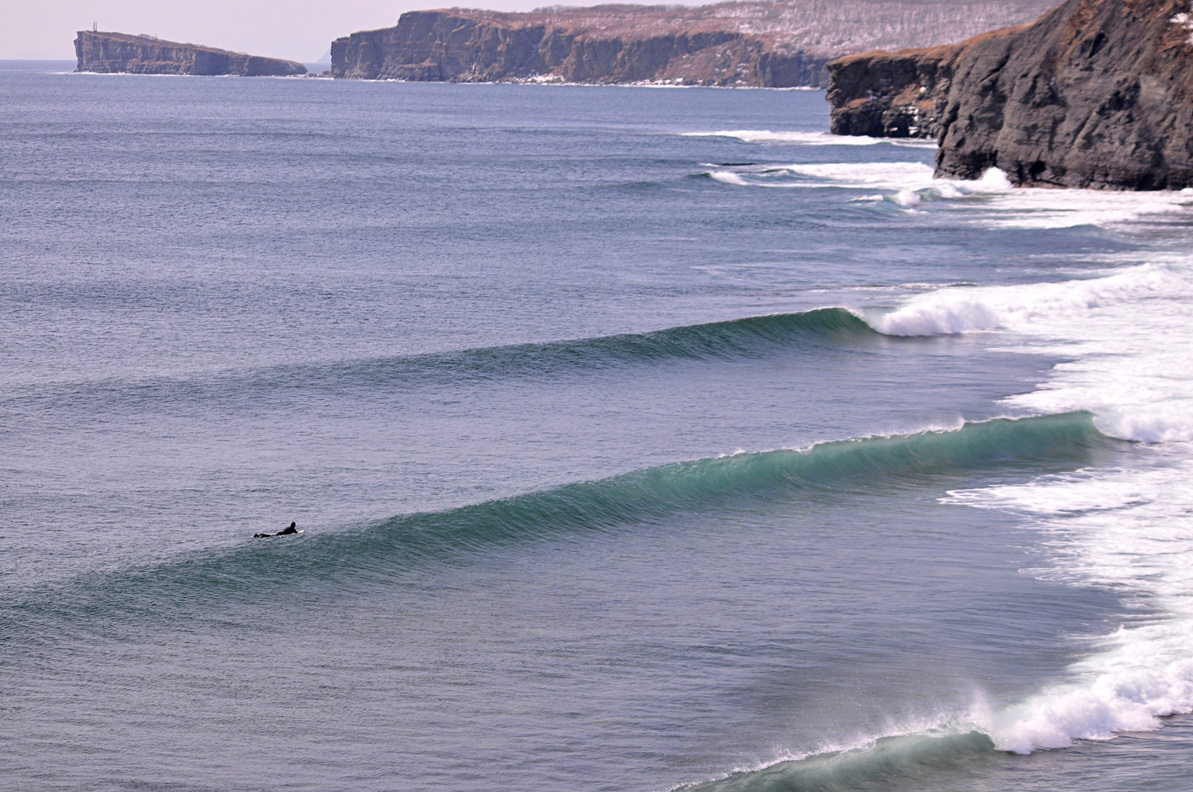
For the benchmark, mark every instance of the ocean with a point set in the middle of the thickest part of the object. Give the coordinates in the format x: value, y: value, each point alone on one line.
x: 642, y: 439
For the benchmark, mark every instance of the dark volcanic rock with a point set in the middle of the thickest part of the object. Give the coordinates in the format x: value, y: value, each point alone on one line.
x: 884, y: 94
x: 122, y: 53
x: 780, y: 43
x: 896, y: 94
x: 1097, y: 93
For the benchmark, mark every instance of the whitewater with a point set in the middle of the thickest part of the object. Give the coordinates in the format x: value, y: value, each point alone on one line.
x: 642, y: 440
x: 1124, y: 330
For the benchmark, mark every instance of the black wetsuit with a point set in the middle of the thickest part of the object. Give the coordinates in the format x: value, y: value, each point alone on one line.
x: 293, y: 529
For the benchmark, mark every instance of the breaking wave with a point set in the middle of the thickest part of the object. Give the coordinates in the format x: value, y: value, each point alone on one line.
x: 1025, y: 308
x: 885, y: 761
x: 990, y: 200
x: 1109, y: 326
x: 261, y: 571
x: 810, y: 138
x: 1127, y: 531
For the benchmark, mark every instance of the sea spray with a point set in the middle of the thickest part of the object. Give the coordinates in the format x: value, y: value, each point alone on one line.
x: 1033, y: 308
x: 1127, y: 531
x: 883, y: 761
x: 1138, y: 389
x: 1130, y: 532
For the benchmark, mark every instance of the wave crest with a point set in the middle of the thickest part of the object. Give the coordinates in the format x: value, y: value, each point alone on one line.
x: 1023, y: 308
x: 829, y: 469
x: 882, y: 761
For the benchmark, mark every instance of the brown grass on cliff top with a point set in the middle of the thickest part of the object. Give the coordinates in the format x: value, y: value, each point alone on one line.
x: 940, y: 51
x: 146, y: 40
x: 819, y: 27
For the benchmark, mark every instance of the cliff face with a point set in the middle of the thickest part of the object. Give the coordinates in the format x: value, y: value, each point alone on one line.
x: 896, y: 94
x: 882, y: 94
x: 781, y: 43
x: 122, y: 53
x: 448, y: 46
x: 1097, y: 93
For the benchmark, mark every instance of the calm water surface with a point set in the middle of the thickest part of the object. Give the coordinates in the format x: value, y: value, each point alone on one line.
x: 643, y: 439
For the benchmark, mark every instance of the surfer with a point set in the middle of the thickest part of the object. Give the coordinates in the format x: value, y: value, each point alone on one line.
x: 292, y: 529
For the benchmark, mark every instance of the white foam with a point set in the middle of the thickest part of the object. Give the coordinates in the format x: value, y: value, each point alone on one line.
x: 891, y: 175
x: 1068, y: 208
x: 996, y: 201
x: 1039, y: 309
x: 800, y: 138
x: 990, y: 200
x: 1138, y: 386
x: 1129, y: 531
x: 728, y: 177
x: 920, y: 143
x: 1125, y: 334
x: 813, y: 138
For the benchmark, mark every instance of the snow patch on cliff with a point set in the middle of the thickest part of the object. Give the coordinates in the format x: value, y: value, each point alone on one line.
x: 1184, y: 20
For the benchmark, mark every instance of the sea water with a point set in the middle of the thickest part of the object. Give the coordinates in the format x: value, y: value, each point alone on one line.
x: 643, y: 439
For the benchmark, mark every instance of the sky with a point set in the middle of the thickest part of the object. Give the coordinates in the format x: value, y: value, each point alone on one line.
x: 300, y: 30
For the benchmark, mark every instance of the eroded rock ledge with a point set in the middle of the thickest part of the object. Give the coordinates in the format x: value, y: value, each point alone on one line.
x: 110, y: 53
x: 783, y: 43
x: 1097, y: 93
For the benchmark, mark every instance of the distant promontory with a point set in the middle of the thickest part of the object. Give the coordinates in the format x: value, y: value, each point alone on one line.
x: 773, y: 43
x: 112, y: 53
x: 1097, y: 93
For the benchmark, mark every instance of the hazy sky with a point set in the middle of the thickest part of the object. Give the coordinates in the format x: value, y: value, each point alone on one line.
x: 299, y: 30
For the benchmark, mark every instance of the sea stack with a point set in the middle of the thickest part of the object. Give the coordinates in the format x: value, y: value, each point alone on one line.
x: 112, y: 53
x: 1096, y: 93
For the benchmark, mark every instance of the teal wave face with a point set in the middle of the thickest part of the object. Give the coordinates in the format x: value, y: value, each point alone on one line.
x: 262, y: 570
x: 837, y: 467
x: 895, y: 763
x: 750, y: 337
x: 733, y: 338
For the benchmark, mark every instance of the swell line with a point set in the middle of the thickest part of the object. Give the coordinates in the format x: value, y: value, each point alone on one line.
x: 745, y: 338
x: 267, y: 570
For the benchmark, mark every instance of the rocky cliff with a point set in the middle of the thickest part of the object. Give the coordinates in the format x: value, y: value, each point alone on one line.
x: 1097, y: 93
x: 119, y: 52
x: 778, y: 43
x: 896, y: 94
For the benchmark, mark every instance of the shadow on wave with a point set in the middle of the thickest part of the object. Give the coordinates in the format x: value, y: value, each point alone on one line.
x: 260, y: 573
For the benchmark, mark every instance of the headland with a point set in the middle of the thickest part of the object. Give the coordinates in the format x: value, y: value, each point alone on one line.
x: 112, y: 53
x: 1096, y: 93
x: 785, y: 43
